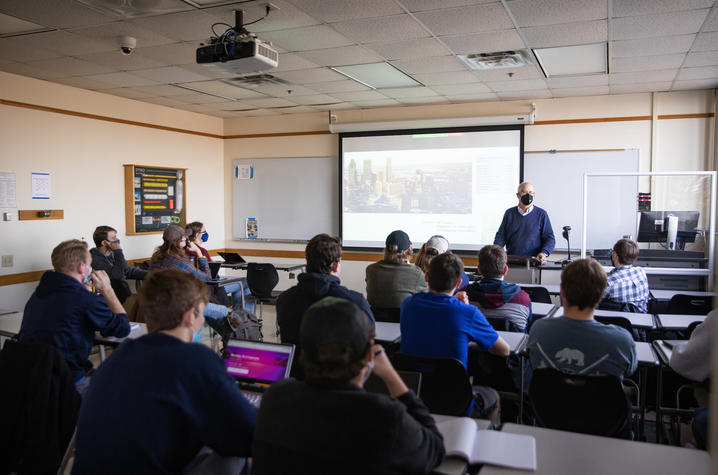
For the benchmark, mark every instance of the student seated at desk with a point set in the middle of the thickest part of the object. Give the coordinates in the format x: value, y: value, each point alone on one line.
x: 108, y: 257
x: 627, y: 288
x: 391, y: 280
x: 433, y: 247
x: 328, y: 424
x: 436, y: 324
x: 64, y: 312
x: 164, y: 403
x: 576, y: 343
x: 495, y: 297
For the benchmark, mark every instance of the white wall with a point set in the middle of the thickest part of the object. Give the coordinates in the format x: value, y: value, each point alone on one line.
x: 85, y: 157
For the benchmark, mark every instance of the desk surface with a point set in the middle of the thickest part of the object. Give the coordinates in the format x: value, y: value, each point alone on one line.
x: 222, y: 281
x: 455, y: 465
x: 10, y: 324
x: 668, y: 294
x: 541, y: 309
x: 568, y: 453
x: 517, y: 341
x: 284, y: 267
x: 677, y: 322
x: 645, y: 354
x: 387, y: 332
x: 639, y: 320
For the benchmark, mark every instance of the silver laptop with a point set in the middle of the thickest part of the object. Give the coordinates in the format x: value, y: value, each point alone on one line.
x: 256, y: 364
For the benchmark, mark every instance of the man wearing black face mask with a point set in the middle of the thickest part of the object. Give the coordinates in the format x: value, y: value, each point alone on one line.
x: 526, y: 229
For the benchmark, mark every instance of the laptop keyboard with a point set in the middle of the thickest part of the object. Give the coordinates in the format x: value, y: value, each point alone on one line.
x: 253, y: 398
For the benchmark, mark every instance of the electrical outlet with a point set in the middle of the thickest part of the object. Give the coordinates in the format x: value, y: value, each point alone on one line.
x: 7, y: 261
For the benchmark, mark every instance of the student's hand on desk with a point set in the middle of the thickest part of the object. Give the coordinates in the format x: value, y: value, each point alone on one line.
x: 462, y: 296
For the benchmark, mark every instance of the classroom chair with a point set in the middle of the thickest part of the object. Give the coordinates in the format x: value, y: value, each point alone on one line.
x: 537, y: 294
x: 262, y: 279
x: 683, y: 304
x: 445, y: 385
x: 593, y: 405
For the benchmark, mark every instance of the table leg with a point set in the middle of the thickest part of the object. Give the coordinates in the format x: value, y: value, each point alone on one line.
x: 102, y: 353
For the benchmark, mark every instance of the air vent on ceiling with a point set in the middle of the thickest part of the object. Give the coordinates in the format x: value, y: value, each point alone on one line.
x: 256, y: 80
x: 497, y: 60
x: 137, y: 8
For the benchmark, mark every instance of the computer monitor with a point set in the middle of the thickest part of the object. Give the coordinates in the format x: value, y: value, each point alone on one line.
x: 654, y: 228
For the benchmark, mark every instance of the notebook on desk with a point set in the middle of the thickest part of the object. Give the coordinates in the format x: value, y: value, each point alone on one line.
x: 256, y: 364
x: 232, y: 258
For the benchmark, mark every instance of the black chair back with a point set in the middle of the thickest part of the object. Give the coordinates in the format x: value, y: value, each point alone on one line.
x: 261, y: 279
x: 593, y: 405
x: 386, y: 314
x: 538, y: 294
x: 445, y: 385
x: 607, y: 304
x: 618, y: 321
x: 690, y: 305
x: 504, y: 325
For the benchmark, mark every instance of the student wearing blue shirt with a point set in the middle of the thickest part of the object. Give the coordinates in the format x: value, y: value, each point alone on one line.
x: 436, y: 324
x: 526, y: 229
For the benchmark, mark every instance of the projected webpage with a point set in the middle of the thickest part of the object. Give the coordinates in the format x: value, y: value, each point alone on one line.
x: 455, y: 184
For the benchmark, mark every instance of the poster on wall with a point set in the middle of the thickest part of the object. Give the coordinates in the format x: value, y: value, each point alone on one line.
x: 155, y: 197
x: 40, y: 185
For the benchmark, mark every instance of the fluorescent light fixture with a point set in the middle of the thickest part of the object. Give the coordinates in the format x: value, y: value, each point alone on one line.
x: 377, y: 75
x: 573, y: 60
x: 137, y: 8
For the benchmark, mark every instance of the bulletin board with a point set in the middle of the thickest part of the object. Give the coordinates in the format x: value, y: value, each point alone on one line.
x: 155, y: 197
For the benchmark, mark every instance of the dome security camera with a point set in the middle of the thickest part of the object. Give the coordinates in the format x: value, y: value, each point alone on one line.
x: 127, y: 45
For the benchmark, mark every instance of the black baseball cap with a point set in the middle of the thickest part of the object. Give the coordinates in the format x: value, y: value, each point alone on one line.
x: 333, y: 320
x: 399, y: 239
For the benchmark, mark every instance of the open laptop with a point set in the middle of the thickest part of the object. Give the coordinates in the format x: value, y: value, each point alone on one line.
x: 256, y: 364
x: 232, y: 258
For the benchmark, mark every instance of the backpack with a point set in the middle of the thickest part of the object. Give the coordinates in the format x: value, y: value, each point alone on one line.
x: 246, y: 325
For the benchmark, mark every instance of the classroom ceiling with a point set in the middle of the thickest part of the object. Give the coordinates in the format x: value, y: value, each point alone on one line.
x: 653, y: 45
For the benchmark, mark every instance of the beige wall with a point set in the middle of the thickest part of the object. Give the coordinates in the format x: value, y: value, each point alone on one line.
x: 85, y: 158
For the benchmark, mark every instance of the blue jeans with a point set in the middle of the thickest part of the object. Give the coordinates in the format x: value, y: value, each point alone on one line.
x: 214, y: 311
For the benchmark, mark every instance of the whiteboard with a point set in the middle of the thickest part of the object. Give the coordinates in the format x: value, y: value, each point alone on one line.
x: 612, y: 201
x: 292, y: 199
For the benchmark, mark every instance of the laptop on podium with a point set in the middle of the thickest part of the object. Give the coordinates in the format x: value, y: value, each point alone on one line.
x: 257, y: 364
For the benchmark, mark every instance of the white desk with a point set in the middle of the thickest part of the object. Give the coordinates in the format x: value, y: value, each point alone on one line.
x: 517, y: 341
x: 541, y: 309
x: 668, y: 294
x: 677, y: 322
x: 10, y: 324
x: 645, y: 354
x: 387, y: 332
x: 455, y: 465
x: 638, y: 320
x: 569, y: 453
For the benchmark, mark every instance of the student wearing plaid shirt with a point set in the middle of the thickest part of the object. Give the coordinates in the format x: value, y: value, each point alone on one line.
x: 627, y: 284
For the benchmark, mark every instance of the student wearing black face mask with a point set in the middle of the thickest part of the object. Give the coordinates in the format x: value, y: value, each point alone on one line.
x: 526, y: 229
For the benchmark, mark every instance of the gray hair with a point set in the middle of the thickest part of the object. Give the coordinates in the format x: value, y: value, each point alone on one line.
x: 518, y: 190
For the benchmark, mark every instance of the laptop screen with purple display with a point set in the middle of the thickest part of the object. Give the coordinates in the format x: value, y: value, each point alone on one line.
x: 258, y: 362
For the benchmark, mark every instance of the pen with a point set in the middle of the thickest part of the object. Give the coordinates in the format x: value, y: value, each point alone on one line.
x: 378, y: 352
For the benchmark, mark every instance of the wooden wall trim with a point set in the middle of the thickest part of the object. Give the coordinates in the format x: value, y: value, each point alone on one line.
x: 591, y: 120
x: 278, y: 134
x: 706, y: 115
x: 22, y: 277
x: 84, y: 115
x: 574, y: 151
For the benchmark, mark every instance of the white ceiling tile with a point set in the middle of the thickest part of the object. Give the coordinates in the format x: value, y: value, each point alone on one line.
x: 580, y: 91
x: 423, y: 100
x: 84, y: 83
x: 343, y: 56
x: 269, y: 102
x: 566, y: 34
x: 70, y: 67
x: 703, y: 58
x: 711, y: 23
x: 122, y: 79
x: 258, y: 113
x: 284, y: 90
x: 306, y: 76
x: 406, y: 92
x: 202, y: 109
x: 436, y: 79
x: 170, y: 75
x: 678, y: 23
x: 18, y: 49
x: 421, y: 48
x: 298, y: 110
x: 517, y: 85
x: 652, y: 46
x: 696, y: 84
x: 706, y: 42
x: 487, y: 96
x: 706, y: 72
x: 307, y: 38
x: 633, y: 78
x: 577, y: 81
x: 10, y: 25
x: 331, y: 87
x: 24, y: 69
x: 163, y: 90
x: 647, y: 63
x: 54, y: 13
x: 360, y: 96
x: 198, y: 98
x: 382, y: 103
x: 122, y: 62
x: 112, y: 31
x: 315, y: 99
x: 69, y: 44
x: 222, y: 89
x: 503, y: 40
x: 551, y: 12
x: 183, y: 26
x: 641, y: 87
x: 328, y: 107
x: 164, y: 101
x: 376, y: 30
x: 288, y: 16
x: 230, y: 106
x: 466, y: 20
x: 623, y: 8
x: 339, y: 10
x: 209, y: 72
x: 175, y: 53
x: 423, y: 5
x: 437, y: 64
x: 519, y: 95
x: 127, y: 92
x: 456, y: 89
x: 292, y: 61
x: 525, y: 72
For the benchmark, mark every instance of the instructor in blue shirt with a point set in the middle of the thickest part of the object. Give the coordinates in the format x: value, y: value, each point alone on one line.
x: 526, y: 229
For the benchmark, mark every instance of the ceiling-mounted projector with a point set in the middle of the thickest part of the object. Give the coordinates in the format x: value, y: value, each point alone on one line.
x: 238, y: 51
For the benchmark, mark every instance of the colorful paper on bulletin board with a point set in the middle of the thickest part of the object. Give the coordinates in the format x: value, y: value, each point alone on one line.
x: 252, y: 228
x: 158, y: 195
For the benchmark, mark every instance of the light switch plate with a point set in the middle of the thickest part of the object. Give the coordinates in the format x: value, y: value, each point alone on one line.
x: 7, y: 261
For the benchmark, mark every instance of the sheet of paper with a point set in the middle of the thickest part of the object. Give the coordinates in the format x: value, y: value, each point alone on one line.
x: 244, y: 172
x: 40, y: 186
x: 458, y: 436
x: 508, y: 450
x: 8, y: 193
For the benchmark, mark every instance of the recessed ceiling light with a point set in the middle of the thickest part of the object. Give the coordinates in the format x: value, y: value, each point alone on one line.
x: 573, y: 60
x: 377, y: 75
